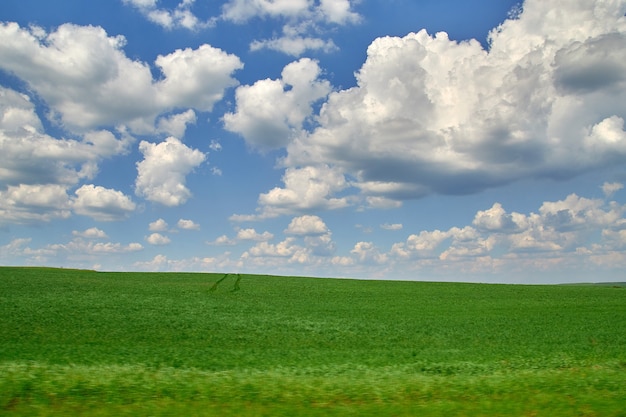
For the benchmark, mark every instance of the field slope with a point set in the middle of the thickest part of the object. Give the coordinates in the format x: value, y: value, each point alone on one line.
x: 93, y: 343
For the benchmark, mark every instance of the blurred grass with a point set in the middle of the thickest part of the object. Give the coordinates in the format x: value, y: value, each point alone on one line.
x: 88, y: 343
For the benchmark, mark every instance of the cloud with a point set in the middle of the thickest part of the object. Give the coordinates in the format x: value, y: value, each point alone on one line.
x: 339, y: 11
x: 286, y: 248
x: 610, y: 188
x: 157, y: 239
x: 293, y: 44
x: 25, y: 203
x: 176, y: 124
x: 307, y: 226
x: 102, y: 204
x: 88, y: 82
x: 560, y: 227
x: 187, y: 225
x: 251, y: 234
x: 223, y: 241
x: 430, y: 115
x: 161, y: 174
x: 496, y: 218
x: 92, y: 248
x: 163, y: 263
x: 240, y: 11
x: 91, y: 233
x: 317, y: 237
x: 367, y: 253
x: 394, y: 226
x: 180, y: 17
x: 306, y: 21
x: 306, y: 189
x: 158, y: 225
x: 270, y: 112
x: 564, y: 239
x: 29, y: 156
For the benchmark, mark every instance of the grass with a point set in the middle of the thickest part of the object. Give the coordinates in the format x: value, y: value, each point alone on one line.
x: 90, y: 343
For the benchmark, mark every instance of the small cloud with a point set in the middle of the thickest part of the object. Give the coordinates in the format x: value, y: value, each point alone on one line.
x: 294, y: 46
x: 307, y: 225
x: 251, y: 234
x: 394, y: 226
x: 176, y: 124
x: 223, y: 241
x: 180, y: 17
x: 102, y: 204
x: 216, y: 171
x: 159, y: 225
x: 611, y: 188
x: 157, y: 239
x: 215, y: 145
x: 92, y: 233
x: 187, y: 225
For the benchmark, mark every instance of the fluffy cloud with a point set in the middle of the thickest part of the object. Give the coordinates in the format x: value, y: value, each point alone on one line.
x: 270, y: 112
x: 309, y: 188
x: 33, y: 203
x: 497, y: 219
x: 367, y: 253
x: 241, y: 10
x: 179, y: 17
x: 86, y: 79
x: 176, y: 124
x: 317, y: 236
x: 77, y: 246
x: 339, y: 11
x: 306, y: 226
x: 294, y: 45
x: 102, y: 204
x: 91, y: 233
x: 610, y: 188
x: 29, y: 156
x: 431, y: 115
x: 187, y: 225
x: 158, y: 225
x: 306, y: 22
x: 251, y: 234
x: 157, y: 239
x: 560, y: 227
x: 161, y: 174
x: 286, y: 248
x: 310, y: 243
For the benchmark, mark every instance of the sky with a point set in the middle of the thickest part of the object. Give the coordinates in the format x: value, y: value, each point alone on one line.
x: 454, y: 140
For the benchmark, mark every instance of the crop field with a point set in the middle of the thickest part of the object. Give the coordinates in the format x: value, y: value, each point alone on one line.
x: 169, y: 344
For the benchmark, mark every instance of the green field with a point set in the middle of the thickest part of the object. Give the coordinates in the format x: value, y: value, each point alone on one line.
x: 164, y: 344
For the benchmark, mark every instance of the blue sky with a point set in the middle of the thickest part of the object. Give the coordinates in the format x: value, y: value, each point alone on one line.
x: 428, y: 140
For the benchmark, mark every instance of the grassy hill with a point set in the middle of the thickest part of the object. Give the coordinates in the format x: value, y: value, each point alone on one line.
x: 92, y: 343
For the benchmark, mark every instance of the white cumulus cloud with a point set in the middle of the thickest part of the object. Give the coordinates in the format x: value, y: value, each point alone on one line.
x: 157, y: 239
x: 180, y: 17
x: 91, y: 233
x: 162, y: 172
x: 186, y: 224
x: 269, y: 114
x: 103, y: 204
x: 251, y: 234
x: 159, y: 225
x: 84, y: 76
x: 307, y: 225
x: 430, y: 115
x: 26, y: 203
x: 307, y: 22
